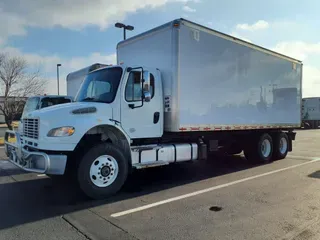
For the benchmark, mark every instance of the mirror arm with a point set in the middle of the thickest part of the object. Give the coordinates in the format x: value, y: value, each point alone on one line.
x: 132, y: 106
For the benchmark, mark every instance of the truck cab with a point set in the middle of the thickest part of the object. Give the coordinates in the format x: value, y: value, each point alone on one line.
x: 115, y: 104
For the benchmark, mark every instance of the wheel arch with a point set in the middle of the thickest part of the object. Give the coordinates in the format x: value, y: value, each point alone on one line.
x: 108, y: 134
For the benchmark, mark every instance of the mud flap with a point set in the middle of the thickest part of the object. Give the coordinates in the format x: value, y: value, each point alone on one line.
x: 292, y: 137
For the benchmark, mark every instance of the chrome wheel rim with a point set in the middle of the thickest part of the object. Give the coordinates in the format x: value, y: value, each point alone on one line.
x: 104, y: 171
x: 266, y: 148
x: 283, y: 146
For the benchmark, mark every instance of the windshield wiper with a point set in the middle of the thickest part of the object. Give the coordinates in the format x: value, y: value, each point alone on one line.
x: 92, y: 99
x: 88, y: 99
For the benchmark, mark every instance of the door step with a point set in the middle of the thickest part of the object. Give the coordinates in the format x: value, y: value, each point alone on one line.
x: 149, y: 165
x: 145, y: 148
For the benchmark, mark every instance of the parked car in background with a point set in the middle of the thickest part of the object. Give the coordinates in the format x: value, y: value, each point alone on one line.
x: 39, y: 102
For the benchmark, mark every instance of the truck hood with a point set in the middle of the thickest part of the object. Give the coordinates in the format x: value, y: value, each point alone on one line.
x: 80, y: 115
x: 65, y: 106
x: 69, y: 108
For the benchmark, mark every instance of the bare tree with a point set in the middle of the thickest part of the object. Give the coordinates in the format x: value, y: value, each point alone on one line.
x: 17, y: 83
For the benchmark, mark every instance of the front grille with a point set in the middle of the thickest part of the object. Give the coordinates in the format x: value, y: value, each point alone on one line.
x: 31, y: 128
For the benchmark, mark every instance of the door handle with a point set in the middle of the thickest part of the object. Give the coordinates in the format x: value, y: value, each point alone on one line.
x: 156, y: 117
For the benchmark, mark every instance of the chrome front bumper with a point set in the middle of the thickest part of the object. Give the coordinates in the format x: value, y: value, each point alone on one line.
x: 33, y: 161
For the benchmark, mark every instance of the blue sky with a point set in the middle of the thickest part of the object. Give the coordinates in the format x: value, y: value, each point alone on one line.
x: 77, y: 33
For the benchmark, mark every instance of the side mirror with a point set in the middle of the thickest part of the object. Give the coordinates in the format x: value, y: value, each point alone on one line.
x: 147, y: 96
x: 146, y: 81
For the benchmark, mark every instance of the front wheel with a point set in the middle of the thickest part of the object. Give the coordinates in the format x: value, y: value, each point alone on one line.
x: 102, y: 171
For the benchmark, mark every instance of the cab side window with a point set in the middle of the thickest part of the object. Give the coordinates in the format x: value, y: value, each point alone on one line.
x: 133, y: 90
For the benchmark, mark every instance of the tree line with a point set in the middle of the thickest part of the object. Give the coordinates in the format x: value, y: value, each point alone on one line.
x: 18, y: 81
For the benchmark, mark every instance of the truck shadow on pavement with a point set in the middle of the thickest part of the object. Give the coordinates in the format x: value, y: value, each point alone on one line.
x: 27, y: 201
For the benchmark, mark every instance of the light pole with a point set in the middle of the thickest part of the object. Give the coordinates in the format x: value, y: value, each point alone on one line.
x: 58, y: 65
x: 125, y: 27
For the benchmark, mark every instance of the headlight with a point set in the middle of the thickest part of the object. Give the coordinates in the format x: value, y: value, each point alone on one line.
x: 61, y: 132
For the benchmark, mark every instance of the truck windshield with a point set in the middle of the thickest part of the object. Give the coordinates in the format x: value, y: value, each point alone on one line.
x: 100, y: 86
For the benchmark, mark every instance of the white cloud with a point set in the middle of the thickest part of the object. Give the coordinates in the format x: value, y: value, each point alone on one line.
x: 259, y: 25
x: 310, y: 81
x: 188, y: 9
x: 298, y: 49
x: 14, y: 26
x: 72, y: 14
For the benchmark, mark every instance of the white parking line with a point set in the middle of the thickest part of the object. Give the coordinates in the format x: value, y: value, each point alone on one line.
x: 119, y: 214
x: 41, y: 175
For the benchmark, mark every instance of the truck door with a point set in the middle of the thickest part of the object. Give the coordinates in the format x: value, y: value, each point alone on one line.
x: 141, y: 119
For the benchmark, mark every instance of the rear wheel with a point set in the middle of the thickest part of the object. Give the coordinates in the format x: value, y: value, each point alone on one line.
x: 260, y: 149
x: 102, y: 171
x: 280, y: 146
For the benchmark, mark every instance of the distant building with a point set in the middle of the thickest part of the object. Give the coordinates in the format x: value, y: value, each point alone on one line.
x: 13, y: 99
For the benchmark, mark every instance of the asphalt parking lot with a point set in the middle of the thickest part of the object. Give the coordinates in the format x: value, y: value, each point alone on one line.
x: 225, y: 198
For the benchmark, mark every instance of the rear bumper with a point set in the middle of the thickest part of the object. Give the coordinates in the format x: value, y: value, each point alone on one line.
x: 33, y: 161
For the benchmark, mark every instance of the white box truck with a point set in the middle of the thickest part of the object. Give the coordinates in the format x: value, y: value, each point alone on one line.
x: 310, y: 112
x: 179, y: 92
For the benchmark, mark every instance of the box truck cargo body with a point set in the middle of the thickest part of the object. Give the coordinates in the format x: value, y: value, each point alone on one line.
x: 179, y: 92
x: 214, y: 81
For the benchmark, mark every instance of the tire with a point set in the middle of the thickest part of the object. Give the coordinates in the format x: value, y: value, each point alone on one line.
x: 102, y: 171
x: 57, y: 178
x: 280, y: 146
x: 260, y: 150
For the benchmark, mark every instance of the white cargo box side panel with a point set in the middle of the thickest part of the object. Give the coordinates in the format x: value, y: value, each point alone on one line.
x: 155, y: 49
x: 226, y: 84
x: 311, y: 108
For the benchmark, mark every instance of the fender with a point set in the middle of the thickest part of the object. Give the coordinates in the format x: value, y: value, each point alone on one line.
x: 107, y: 132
